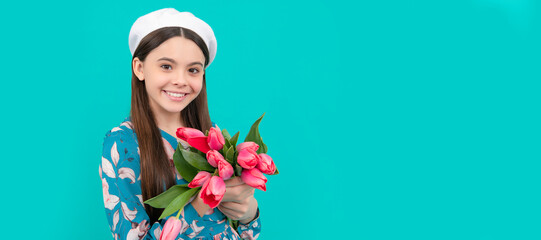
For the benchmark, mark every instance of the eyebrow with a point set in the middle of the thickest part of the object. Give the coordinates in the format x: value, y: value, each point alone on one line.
x: 173, y: 61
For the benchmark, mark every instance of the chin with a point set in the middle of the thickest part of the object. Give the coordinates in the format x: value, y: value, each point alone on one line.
x: 176, y: 109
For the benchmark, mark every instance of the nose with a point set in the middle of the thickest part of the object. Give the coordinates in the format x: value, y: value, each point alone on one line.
x: 179, y: 79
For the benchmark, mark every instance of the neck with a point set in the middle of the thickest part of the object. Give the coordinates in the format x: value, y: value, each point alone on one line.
x: 169, y: 123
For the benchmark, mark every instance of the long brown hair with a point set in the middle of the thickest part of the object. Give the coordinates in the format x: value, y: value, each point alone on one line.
x: 156, y: 173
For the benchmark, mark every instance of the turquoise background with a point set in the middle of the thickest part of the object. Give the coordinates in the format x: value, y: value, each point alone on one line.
x: 387, y: 119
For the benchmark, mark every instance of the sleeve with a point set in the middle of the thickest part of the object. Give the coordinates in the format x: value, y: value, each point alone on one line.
x: 250, y: 230
x: 122, y: 190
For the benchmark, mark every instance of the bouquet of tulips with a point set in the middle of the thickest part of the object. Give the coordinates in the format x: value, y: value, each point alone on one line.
x: 212, y: 158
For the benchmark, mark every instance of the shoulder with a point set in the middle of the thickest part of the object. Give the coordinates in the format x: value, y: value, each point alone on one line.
x: 122, y: 139
x: 122, y: 134
x: 121, y: 143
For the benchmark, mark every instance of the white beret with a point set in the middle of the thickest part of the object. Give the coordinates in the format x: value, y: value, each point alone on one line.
x: 170, y: 17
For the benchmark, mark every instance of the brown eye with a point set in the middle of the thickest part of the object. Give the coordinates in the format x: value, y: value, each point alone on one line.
x: 166, y: 67
x: 194, y: 70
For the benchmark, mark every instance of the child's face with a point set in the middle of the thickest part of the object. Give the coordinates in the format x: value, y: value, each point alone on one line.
x: 171, y: 70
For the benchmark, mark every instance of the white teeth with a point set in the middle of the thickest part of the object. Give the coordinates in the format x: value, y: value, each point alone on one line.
x: 175, y: 94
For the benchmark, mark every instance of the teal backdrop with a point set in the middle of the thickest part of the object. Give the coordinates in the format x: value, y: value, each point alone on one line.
x: 387, y: 119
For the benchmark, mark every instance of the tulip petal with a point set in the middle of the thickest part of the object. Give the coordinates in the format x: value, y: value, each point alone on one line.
x: 247, y: 158
x: 266, y: 165
x: 225, y: 170
x: 184, y: 133
x: 213, y: 191
x: 213, y: 157
x: 199, y: 179
x: 254, y: 178
x: 199, y: 143
x: 171, y: 229
x: 215, y: 138
x: 245, y: 145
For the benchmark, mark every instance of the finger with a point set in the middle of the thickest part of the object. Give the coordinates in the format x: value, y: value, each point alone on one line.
x: 232, y: 208
x: 233, y: 182
x: 245, y: 190
x: 238, y: 193
x: 240, y: 188
x: 229, y: 212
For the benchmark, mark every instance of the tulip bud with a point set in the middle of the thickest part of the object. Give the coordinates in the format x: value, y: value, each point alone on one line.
x: 250, y: 145
x: 266, y: 165
x: 254, y: 178
x: 184, y: 133
x: 247, y: 158
x: 213, y: 191
x: 225, y: 169
x: 215, y: 138
x: 199, y: 179
x: 171, y: 229
x: 213, y: 157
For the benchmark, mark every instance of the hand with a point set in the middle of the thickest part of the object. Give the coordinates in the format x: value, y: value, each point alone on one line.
x: 238, y: 202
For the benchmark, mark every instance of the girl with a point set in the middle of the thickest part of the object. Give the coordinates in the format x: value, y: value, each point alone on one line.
x: 170, y: 52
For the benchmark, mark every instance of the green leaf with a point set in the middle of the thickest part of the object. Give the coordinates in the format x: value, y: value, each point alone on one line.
x: 253, y: 136
x: 162, y: 200
x: 226, y: 134
x: 276, y: 173
x: 226, y: 145
x: 197, y: 161
x: 230, y: 154
x: 234, y: 223
x: 238, y: 170
x: 179, y: 202
x: 234, y: 139
x: 186, y: 170
x: 263, y: 147
x: 192, y: 149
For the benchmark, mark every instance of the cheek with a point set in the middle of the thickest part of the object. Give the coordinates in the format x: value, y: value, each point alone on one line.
x: 155, y: 81
x: 197, y: 85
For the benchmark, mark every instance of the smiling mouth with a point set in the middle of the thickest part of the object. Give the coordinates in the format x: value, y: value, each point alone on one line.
x: 177, y: 95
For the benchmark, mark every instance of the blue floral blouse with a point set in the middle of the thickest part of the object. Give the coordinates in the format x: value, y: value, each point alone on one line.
x: 121, y: 183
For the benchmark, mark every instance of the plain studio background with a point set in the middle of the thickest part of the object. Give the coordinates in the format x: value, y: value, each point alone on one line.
x: 387, y: 119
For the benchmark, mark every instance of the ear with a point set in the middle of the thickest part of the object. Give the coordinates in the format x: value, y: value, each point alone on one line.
x: 137, y: 66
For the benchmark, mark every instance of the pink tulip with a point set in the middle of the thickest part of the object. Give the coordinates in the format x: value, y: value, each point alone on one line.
x: 215, y: 139
x: 266, y: 165
x: 225, y: 169
x: 250, y: 145
x: 171, y: 229
x: 213, y: 191
x: 199, y: 143
x: 254, y: 178
x: 199, y: 179
x: 185, y: 133
x: 247, y: 158
x: 213, y: 157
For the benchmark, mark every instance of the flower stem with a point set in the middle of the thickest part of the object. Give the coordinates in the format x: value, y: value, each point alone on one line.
x: 178, y: 214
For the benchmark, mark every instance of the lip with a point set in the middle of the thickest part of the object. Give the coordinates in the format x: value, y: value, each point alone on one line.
x: 174, y: 91
x: 177, y: 99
